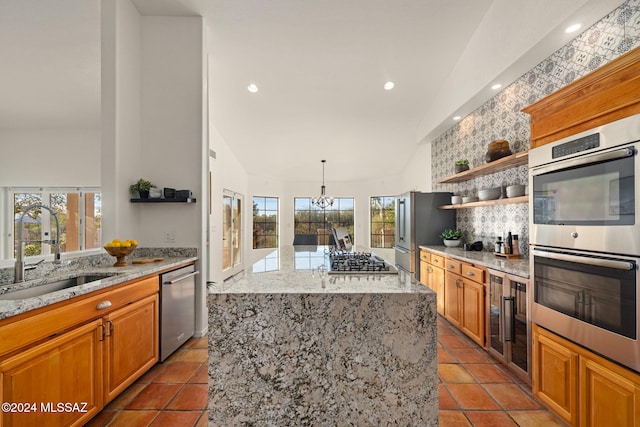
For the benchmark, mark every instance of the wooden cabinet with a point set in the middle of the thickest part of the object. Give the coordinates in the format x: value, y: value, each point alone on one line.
x: 583, y: 388
x: 464, y: 298
x: 64, y: 369
x: 82, y: 351
x: 432, y: 275
x: 131, y: 344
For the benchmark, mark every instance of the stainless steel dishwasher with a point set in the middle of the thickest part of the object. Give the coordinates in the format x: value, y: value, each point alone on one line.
x: 177, y: 308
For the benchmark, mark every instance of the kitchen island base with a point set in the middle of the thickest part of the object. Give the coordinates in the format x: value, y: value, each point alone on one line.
x: 323, y: 359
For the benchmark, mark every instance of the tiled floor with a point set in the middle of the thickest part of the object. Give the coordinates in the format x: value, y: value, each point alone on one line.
x: 475, y: 390
x: 173, y: 393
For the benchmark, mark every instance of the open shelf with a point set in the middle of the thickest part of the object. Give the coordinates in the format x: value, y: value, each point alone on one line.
x: 506, y: 201
x: 159, y: 200
x: 514, y: 160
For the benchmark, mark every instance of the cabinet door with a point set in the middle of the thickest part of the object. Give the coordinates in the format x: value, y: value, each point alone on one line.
x: 555, y: 380
x: 452, y: 284
x: 424, y: 273
x: 65, y: 370
x: 437, y: 284
x: 132, y: 344
x: 607, y: 398
x: 472, y: 319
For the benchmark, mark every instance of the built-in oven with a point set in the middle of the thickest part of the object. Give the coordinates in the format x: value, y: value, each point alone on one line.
x: 583, y: 190
x: 589, y: 298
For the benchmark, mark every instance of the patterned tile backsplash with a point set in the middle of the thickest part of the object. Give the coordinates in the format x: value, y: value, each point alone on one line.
x: 500, y: 118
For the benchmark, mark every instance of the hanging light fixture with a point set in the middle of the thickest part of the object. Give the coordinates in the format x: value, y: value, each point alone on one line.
x: 323, y: 201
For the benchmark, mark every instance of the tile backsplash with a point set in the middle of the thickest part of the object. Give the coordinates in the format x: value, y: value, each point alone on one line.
x: 500, y: 118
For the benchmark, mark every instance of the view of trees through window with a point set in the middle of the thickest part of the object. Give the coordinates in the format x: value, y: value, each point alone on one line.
x: 309, y: 219
x: 79, y: 217
x: 383, y: 226
x: 265, y: 222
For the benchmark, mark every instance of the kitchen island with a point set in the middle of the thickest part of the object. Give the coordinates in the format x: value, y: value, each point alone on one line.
x: 290, y: 344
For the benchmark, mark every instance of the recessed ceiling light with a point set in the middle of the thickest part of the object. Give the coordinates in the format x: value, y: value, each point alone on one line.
x: 456, y: 118
x: 252, y: 88
x: 572, y: 28
x: 496, y: 86
x: 389, y: 85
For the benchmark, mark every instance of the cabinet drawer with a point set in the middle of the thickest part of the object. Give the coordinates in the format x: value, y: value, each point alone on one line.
x: 425, y: 256
x: 437, y: 260
x: 473, y: 273
x: 453, y: 265
x: 48, y: 321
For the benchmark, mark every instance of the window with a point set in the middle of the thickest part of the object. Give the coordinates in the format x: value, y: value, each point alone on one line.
x: 309, y: 219
x: 265, y: 222
x: 79, y: 213
x: 383, y: 221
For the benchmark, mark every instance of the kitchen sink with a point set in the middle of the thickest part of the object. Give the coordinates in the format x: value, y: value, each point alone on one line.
x: 55, y: 285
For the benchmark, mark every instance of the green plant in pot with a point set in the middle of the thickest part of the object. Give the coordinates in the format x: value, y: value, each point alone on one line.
x: 451, y: 237
x: 461, y: 165
x: 142, y: 188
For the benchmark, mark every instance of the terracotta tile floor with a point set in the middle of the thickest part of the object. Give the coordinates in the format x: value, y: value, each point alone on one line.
x: 474, y: 390
x: 173, y: 393
x: 477, y: 390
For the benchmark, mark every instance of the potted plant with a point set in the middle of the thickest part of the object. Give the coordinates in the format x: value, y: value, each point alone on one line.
x: 451, y: 238
x: 461, y: 165
x: 141, y: 187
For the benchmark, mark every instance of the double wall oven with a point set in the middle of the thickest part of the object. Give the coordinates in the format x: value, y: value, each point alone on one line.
x: 585, y: 239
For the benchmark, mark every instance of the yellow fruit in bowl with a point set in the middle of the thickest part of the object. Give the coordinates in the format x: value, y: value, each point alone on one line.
x: 133, y: 242
x: 125, y: 245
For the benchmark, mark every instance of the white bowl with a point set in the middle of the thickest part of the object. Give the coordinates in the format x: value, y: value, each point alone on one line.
x: 469, y: 199
x: 490, y: 193
x: 456, y: 200
x: 515, y: 190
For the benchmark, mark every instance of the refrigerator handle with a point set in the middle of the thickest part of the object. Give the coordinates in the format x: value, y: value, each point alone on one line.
x: 509, y: 333
x: 401, y: 219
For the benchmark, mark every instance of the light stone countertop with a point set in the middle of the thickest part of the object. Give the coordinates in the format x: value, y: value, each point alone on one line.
x: 10, y: 307
x: 518, y: 267
x: 304, y: 270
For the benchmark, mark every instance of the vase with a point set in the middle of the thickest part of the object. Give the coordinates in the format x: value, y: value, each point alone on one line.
x: 461, y: 168
x: 144, y: 194
x: 451, y: 243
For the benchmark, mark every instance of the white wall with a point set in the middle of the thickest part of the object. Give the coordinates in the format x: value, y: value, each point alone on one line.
x: 50, y: 157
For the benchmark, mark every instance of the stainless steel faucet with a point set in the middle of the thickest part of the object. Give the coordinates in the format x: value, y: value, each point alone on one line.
x: 20, y: 265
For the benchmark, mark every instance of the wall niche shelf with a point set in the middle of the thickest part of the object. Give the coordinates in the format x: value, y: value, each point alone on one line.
x: 175, y: 200
x: 510, y: 200
x: 512, y: 161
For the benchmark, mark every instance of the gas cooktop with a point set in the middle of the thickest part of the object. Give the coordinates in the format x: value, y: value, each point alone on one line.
x: 358, y: 263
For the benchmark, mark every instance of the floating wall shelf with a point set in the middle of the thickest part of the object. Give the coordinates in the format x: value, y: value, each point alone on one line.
x: 510, y: 200
x: 175, y: 200
x: 512, y: 161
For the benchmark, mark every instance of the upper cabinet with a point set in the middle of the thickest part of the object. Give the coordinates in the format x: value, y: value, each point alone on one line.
x: 609, y: 93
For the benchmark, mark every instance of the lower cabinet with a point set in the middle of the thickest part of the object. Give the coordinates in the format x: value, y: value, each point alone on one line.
x: 464, y: 298
x: 432, y: 275
x: 66, y: 377
x: 57, y: 383
x: 582, y: 388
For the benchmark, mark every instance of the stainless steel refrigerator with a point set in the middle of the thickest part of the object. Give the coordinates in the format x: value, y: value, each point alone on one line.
x: 420, y: 222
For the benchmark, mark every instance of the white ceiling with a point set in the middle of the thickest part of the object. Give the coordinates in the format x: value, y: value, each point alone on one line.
x: 320, y: 67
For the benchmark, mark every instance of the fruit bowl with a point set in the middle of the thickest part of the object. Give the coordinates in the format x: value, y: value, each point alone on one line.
x: 120, y: 252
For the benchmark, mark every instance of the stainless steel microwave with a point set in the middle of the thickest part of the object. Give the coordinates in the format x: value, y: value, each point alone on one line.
x: 584, y: 190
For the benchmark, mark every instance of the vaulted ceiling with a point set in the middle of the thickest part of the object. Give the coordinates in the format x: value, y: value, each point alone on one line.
x: 319, y: 66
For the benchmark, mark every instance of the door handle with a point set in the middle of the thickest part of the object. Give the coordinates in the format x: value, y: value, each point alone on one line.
x: 178, y: 279
x: 509, y: 333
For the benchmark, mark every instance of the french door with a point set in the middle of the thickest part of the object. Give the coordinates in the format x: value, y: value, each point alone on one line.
x: 231, y: 233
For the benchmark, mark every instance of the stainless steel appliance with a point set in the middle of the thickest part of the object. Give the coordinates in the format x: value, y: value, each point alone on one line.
x: 509, y: 326
x: 419, y: 222
x: 589, y: 298
x: 583, y: 190
x: 177, y: 309
x: 341, y: 262
x: 585, y: 249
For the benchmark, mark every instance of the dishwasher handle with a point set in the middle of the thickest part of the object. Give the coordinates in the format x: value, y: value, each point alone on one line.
x: 181, y: 278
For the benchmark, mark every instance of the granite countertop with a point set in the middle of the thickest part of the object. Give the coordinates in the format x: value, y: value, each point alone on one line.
x: 518, y: 267
x: 10, y: 307
x: 304, y: 270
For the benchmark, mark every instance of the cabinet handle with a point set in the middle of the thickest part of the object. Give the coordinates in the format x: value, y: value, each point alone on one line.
x: 435, y: 260
x: 104, y: 333
x: 103, y: 305
x: 458, y: 282
x: 451, y: 267
x: 110, y: 327
x: 470, y: 273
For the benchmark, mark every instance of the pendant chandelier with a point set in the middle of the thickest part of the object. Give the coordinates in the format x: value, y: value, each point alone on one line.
x: 323, y: 201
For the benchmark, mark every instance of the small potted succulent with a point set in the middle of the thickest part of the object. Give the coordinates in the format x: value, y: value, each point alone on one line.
x: 451, y: 238
x: 461, y: 165
x: 141, y: 187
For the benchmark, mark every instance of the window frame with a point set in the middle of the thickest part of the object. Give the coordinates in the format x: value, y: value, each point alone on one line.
x: 276, y: 235
x: 325, y: 214
x: 385, y: 201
